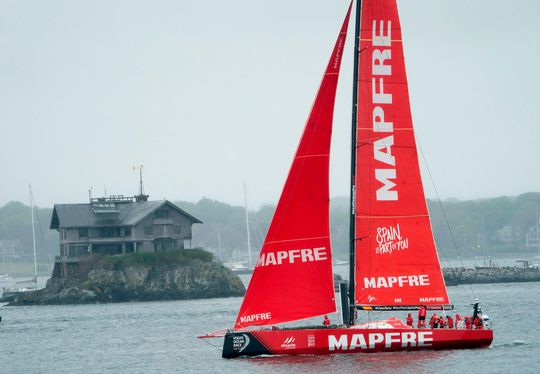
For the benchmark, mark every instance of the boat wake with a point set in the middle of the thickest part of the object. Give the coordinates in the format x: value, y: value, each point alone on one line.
x: 515, y: 343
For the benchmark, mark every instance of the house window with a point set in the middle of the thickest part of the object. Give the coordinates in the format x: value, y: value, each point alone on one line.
x: 162, y: 214
x: 130, y: 247
x: 110, y: 232
x: 82, y: 250
x: 83, y: 233
x: 177, y: 229
x: 164, y: 245
x: 159, y: 230
x: 72, y: 251
x: 148, y: 230
x: 127, y: 231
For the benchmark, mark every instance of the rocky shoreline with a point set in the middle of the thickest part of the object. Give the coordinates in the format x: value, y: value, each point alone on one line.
x: 189, y: 275
x: 126, y: 278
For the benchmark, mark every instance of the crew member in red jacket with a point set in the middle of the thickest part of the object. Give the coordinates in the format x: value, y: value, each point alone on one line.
x: 479, y: 323
x: 450, y: 321
x: 409, y: 320
x: 434, y: 321
x: 326, y: 321
x: 422, y: 317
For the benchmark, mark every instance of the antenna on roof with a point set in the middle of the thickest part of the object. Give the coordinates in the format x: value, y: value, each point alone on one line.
x: 141, y: 196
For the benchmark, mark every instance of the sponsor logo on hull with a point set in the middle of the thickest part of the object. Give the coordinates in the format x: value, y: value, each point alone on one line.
x: 374, y: 340
x: 240, y: 342
x: 289, y: 343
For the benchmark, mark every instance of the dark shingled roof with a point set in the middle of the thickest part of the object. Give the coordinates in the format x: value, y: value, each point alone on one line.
x: 129, y: 214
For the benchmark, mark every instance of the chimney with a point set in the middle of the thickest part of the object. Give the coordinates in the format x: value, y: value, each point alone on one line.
x: 141, y: 197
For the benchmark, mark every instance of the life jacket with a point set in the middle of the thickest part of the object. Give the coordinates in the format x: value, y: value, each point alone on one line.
x: 422, y: 312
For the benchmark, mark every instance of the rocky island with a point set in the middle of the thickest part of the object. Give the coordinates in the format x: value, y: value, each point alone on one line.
x: 146, y: 276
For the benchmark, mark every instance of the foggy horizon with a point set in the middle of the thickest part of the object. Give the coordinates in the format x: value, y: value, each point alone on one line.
x: 206, y: 97
x: 251, y: 206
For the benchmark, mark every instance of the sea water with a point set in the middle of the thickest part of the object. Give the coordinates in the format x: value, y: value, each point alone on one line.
x: 160, y: 337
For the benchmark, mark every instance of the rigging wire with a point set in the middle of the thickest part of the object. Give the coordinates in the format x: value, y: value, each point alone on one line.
x: 445, y: 219
x: 210, y: 344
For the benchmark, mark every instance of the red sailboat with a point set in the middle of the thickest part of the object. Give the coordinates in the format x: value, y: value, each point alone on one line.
x: 393, y: 259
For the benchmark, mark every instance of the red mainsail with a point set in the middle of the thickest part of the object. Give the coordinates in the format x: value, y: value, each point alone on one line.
x: 293, y: 277
x: 396, y: 259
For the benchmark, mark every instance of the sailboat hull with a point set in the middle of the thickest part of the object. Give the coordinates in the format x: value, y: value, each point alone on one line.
x: 321, y: 341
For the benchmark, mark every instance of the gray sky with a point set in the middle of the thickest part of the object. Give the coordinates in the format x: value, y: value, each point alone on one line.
x: 207, y: 94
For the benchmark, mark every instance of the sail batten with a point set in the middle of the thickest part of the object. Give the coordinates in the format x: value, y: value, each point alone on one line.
x: 396, y: 259
x: 293, y: 277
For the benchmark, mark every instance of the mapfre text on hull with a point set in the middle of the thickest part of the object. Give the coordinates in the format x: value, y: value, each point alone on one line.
x: 324, y: 341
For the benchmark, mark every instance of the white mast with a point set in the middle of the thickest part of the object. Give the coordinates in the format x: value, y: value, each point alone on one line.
x: 219, y: 246
x: 33, y: 235
x: 247, y: 225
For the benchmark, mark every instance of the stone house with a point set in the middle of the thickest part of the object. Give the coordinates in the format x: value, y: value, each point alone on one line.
x: 120, y: 224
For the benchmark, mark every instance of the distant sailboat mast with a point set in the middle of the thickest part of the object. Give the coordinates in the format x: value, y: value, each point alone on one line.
x: 219, y: 246
x: 247, y: 226
x: 33, y: 234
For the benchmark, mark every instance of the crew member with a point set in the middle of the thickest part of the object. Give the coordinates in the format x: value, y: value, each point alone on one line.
x: 434, y: 321
x: 450, y: 321
x: 479, y: 322
x: 409, y: 320
x: 459, y: 322
x: 326, y: 321
x: 422, y: 317
x: 442, y: 322
x: 476, y: 309
x: 467, y: 323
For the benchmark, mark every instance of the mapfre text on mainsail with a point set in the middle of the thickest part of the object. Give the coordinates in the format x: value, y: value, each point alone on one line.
x: 381, y: 67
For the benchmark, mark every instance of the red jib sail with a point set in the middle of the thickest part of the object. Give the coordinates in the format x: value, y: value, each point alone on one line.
x: 396, y: 259
x: 293, y: 277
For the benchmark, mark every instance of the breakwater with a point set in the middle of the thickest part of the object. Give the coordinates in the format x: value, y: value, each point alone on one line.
x: 495, y: 274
